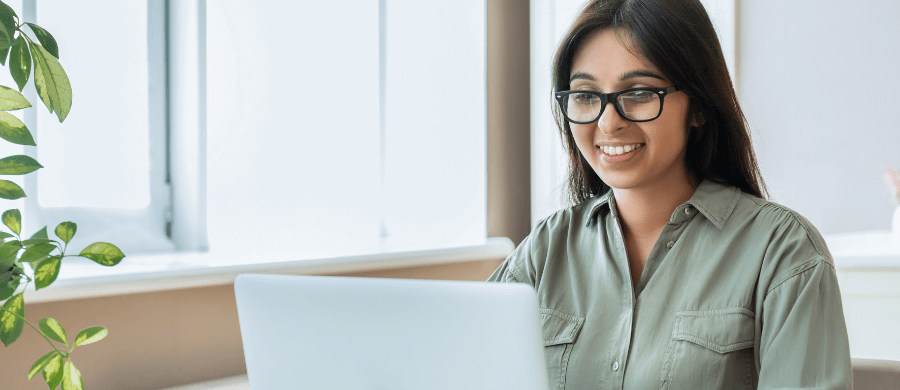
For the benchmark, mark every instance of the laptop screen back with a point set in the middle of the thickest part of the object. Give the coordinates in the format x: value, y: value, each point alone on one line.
x: 319, y: 332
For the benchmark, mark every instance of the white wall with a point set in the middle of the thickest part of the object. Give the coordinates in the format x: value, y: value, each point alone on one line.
x: 820, y: 85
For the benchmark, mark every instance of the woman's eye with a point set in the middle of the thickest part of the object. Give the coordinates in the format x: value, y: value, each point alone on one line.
x: 586, y: 98
x: 640, y: 96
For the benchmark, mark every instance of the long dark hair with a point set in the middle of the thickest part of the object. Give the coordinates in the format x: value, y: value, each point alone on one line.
x: 678, y: 37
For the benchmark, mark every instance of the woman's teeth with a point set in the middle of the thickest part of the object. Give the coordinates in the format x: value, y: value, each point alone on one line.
x: 618, y: 150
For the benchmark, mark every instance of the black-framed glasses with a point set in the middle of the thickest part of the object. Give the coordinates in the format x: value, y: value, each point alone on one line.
x: 642, y: 104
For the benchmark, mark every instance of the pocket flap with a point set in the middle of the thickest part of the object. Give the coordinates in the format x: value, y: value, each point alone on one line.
x: 559, y: 327
x: 723, y: 330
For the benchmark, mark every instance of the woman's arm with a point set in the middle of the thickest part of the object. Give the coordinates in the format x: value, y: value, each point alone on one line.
x: 803, y: 342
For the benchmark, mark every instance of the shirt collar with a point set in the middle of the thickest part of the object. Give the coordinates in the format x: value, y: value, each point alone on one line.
x: 598, y: 204
x: 715, y: 201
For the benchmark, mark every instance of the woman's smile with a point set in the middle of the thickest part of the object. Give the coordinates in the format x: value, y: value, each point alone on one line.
x: 622, y: 152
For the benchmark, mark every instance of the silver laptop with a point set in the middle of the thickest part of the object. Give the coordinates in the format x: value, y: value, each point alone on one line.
x: 321, y: 332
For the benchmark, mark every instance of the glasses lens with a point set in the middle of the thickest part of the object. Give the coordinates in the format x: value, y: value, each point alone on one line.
x: 582, y: 107
x: 639, y: 105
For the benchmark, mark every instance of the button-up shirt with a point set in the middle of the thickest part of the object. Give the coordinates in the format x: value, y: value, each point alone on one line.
x: 737, y: 293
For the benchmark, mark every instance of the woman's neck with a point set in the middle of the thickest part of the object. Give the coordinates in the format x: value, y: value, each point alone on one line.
x: 646, y: 209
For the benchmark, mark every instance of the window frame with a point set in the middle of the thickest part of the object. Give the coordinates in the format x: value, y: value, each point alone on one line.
x: 174, y: 220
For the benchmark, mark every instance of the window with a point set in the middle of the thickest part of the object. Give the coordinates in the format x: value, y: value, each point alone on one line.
x: 302, y: 129
x: 104, y: 166
x: 333, y: 130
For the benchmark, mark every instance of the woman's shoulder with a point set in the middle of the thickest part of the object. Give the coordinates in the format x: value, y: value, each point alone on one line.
x: 571, y: 219
x: 780, y: 219
x: 793, y: 244
x: 553, y: 231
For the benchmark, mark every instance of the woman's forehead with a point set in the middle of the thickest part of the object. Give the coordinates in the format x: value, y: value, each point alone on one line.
x: 611, y: 55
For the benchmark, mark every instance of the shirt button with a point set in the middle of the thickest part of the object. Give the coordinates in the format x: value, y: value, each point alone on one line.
x: 616, y: 366
x: 688, y: 210
x: 670, y: 244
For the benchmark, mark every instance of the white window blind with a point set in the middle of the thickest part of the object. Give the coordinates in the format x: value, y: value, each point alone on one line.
x: 301, y: 129
x: 304, y: 161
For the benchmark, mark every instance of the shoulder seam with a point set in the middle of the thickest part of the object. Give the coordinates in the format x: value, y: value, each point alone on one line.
x: 819, y: 246
x: 799, y: 270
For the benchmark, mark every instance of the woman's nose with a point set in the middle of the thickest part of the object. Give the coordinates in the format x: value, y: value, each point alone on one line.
x: 610, y: 121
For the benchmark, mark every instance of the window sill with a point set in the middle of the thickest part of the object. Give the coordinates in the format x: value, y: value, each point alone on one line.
x: 81, y: 278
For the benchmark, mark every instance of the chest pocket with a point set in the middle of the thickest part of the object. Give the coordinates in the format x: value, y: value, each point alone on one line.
x: 560, y: 330
x: 711, y: 349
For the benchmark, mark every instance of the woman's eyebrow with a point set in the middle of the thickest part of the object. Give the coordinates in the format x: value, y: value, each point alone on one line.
x: 582, y: 75
x: 639, y: 73
x: 625, y: 76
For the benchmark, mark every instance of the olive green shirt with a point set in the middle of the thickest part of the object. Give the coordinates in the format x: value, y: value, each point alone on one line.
x: 737, y: 293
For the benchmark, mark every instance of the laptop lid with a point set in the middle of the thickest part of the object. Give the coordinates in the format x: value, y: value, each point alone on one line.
x: 321, y: 332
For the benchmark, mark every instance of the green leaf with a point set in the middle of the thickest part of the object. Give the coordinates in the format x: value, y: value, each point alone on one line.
x: 20, y: 62
x: 45, y: 39
x: 46, y: 272
x: 10, y: 190
x: 7, y: 21
x: 5, y: 235
x: 11, y: 100
x: 103, y: 253
x: 40, y: 235
x: 11, y: 321
x: 18, y: 165
x: 3, y: 54
x: 13, y: 220
x: 51, y: 82
x: 66, y: 230
x: 40, y: 363
x: 90, y: 335
x: 54, y: 330
x: 5, y: 41
x: 71, y: 377
x: 34, y: 241
x: 37, y: 252
x: 13, y: 130
x: 8, y: 252
x: 53, y: 371
x: 8, y: 283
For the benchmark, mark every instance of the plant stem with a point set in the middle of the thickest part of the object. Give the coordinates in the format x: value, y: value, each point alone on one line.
x: 36, y: 330
x: 22, y: 33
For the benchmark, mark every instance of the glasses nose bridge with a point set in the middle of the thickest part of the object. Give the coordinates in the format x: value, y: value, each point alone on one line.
x: 606, y: 99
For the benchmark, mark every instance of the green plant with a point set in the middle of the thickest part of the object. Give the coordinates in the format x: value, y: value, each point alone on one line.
x: 38, y: 258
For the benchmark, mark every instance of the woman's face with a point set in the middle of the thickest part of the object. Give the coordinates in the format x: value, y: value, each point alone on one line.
x: 657, y: 156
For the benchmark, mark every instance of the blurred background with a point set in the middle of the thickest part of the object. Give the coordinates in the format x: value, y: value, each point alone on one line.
x: 320, y: 129
x: 242, y: 129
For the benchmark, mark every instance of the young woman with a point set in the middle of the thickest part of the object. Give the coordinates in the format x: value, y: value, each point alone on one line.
x: 671, y: 270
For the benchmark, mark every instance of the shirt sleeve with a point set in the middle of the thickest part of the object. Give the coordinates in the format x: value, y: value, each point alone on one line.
x: 803, y: 341
x: 514, y: 268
